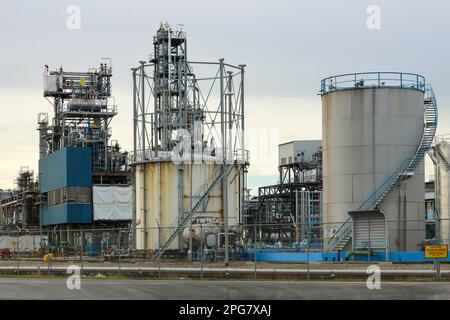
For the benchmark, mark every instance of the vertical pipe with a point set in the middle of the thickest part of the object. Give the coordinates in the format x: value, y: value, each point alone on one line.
x: 201, y: 251
x: 152, y: 121
x: 224, y: 153
x: 135, y: 117
x: 105, y: 144
x: 82, y: 250
x: 143, y: 113
x: 120, y: 254
x: 242, y: 104
x: 399, y: 217
x: 190, y: 243
x: 370, y: 245
x: 181, y: 106
x: 405, y: 209
x: 134, y: 206
x: 144, y: 166
x: 17, y: 251
x: 254, y: 246
x: 242, y: 114
x: 296, y: 218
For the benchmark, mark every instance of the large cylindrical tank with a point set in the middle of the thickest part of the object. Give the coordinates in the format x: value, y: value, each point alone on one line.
x: 442, y: 188
x: 162, y: 202
x: 368, y: 132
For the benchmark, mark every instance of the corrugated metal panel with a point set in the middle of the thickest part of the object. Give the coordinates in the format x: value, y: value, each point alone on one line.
x: 377, y: 233
x: 68, y: 167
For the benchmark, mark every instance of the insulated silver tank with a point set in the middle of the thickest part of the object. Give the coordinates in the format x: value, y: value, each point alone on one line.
x: 371, y: 124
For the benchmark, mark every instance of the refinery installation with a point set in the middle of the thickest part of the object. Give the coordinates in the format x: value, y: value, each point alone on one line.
x: 189, y: 159
x: 357, y: 192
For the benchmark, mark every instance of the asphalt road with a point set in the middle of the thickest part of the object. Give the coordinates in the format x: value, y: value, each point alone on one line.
x: 23, y: 288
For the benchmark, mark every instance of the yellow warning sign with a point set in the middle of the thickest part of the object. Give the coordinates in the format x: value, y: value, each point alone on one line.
x: 82, y: 82
x: 436, y: 251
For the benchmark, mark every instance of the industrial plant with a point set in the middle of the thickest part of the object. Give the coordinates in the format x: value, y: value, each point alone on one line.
x: 356, y: 193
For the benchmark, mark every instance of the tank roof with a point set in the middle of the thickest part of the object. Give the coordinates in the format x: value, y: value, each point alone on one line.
x: 368, y: 80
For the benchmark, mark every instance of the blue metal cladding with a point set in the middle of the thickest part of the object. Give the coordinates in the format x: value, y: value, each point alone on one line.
x: 68, y: 167
x: 66, y: 213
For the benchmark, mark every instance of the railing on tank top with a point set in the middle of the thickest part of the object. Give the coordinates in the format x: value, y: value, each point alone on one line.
x: 372, y: 80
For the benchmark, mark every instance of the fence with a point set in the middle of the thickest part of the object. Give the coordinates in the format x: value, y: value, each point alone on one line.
x: 203, y: 245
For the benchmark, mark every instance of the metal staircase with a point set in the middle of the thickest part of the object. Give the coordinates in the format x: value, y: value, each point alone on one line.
x: 168, y: 235
x: 341, y: 237
x: 435, y: 153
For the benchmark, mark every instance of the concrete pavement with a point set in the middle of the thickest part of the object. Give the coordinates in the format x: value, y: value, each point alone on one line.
x: 41, y: 288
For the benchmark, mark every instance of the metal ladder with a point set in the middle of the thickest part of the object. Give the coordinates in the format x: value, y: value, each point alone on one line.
x: 168, y: 235
x: 344, y: 233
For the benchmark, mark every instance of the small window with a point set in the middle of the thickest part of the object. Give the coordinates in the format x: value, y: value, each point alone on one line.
x: 290, y: 159
x: 283, y: 161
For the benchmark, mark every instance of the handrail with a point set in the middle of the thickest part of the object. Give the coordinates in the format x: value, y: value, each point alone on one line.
x: 381, y: 189
x: 372, y: 80
x: 140, y: 156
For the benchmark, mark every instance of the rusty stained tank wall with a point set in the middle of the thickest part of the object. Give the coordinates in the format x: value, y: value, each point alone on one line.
x: 162, y: 198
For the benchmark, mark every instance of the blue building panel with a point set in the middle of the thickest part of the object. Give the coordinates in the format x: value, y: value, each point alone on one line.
x: 66, y: 213
x: 68, y: 167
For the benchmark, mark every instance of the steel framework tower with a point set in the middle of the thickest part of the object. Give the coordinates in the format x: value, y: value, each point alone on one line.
x: 82, y: 113
x: 190, y: 122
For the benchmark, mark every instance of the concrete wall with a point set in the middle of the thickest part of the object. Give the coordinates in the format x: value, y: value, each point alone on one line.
x: 367, y: 134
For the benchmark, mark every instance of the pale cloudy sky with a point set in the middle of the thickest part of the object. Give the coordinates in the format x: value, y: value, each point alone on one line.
x: 288, y: 46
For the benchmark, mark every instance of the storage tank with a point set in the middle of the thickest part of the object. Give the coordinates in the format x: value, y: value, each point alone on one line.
x: 188, y: 156
x: 442, y: 187
x: 162, y: 186
x: 372, y: 123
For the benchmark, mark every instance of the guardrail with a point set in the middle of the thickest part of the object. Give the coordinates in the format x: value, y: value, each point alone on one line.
x: 240, y: 156
x: 372, y: 80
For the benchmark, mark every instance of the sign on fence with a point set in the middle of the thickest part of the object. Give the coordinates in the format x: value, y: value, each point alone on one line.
x: 436, y: 252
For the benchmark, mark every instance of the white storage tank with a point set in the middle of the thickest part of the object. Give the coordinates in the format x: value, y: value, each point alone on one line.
x: 371, y: 124
x: 442, y: 187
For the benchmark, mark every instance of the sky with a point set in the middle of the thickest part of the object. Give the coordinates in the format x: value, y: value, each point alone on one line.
x: 288, y: 47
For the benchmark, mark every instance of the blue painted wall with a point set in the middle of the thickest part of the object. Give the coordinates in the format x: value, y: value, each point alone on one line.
x: 288, y: 256
x: 273, y: 255
x: 66, y: 213
x: 68, y: 167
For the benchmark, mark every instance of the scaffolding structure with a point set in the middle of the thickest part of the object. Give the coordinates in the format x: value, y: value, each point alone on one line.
x: 80, y: 130
x: 290, y: 211
x: 83, y: 109
x: 18, y: 207
x: 172, y: 105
